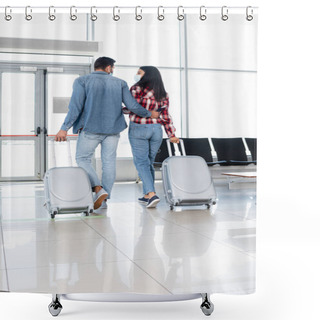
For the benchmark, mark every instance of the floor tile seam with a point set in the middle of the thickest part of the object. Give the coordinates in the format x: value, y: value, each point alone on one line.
x: 203, y: 236
x: 146, y: 235
x: 159, y: 283
x: 132, y: 261
x: 222, y: 229
x: 98, y: 237
x: 224, y: 244
x: 4, y: 257
x: 183, y: 227
x: 53, y: 265
x: 149, y: 275
x: 232, y: 247
x: 217, y: 241
x: 233, y: 214
x: 23, y: 197
x: 49, y: 219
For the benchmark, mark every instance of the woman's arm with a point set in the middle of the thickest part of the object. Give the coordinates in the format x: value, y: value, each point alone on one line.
x: 166, y: 121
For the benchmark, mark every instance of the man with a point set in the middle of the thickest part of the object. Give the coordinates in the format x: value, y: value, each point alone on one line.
x: 95, y: 113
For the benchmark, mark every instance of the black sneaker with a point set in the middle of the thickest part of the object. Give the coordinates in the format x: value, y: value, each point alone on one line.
x: 152, y: 203
x: 143, y: 200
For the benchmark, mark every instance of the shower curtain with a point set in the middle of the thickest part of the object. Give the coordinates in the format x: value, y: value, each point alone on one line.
x: 207, y: 59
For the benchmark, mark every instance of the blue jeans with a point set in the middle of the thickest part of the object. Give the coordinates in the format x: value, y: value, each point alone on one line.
x: 86, y: 146
x: 145, y: 140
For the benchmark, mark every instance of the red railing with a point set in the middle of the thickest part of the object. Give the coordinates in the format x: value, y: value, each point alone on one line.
x: 32, y: 135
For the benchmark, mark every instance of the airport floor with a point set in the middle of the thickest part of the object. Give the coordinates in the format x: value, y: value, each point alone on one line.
x: 127, y: 247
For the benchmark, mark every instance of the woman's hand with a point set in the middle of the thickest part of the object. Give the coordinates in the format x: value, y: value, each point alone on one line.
x: 174, y: 140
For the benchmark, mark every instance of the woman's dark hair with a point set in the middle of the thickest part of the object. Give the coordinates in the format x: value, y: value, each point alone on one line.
x: 103, y: 62
x: 152, y: 79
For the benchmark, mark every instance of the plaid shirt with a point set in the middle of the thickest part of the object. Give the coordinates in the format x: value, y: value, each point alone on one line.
x: 147, y: 100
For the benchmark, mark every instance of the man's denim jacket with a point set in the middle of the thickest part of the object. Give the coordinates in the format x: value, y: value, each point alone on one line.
x: 96, y: 104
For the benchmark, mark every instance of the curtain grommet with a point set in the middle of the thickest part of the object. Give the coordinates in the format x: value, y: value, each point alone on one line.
x: 224, y: 13
x: 180, y: 13
x: 28, y: 16
x: 203, y: 13
x: 93, y: 16
x: 249, y: 17
x: 138, y: 16
x: 160, y: 16
x: 116, y: 17
x: 73, y: 11
x: 52, y: 17
x: 7, y: 16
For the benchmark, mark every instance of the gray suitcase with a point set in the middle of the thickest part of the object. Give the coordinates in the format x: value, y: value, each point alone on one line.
x: 67, y: 190
x: 187, y: 180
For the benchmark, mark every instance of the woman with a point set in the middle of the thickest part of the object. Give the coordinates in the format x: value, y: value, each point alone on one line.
x: 145, y: 134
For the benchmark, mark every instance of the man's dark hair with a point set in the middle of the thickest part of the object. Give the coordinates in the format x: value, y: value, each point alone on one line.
x: 103, y: 62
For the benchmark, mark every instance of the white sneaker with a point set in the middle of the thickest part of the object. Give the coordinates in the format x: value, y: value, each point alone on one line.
x: 100, y: 196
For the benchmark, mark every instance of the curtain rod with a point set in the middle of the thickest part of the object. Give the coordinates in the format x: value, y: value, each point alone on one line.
x: 181, y: 11
x: 126, y: 7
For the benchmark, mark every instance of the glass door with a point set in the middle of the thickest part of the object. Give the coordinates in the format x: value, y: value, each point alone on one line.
x: 33, y: 104
x: 59, y: 82
x: 20, y: 124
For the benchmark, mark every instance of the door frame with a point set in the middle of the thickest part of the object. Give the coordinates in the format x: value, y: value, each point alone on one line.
x: 41, y: 107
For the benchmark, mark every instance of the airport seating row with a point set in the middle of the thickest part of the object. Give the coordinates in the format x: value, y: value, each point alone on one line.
x: 215, y: 151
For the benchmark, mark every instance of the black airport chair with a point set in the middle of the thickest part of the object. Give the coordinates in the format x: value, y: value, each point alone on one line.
x: 230, y: 150
x: 163, y: 153
x: 252, y: 145
x: 199, y: 147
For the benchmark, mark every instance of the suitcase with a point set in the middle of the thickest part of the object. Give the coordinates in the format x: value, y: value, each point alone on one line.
x: 67, y: 190
x: 187, y: 180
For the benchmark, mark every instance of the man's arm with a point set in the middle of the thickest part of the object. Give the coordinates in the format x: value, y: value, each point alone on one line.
x: 75, y: 108
x: 134, y: 106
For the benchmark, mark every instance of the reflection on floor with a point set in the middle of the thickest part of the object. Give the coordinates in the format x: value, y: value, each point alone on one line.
x: 127, y: 247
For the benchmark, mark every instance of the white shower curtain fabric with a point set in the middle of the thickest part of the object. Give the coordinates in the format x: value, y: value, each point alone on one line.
x: 209, y: 69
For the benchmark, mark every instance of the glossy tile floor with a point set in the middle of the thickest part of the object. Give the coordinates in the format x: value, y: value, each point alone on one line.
x: 127, y: 247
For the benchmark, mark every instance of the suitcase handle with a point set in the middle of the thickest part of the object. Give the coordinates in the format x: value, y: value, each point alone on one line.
x: 181, y: 144
x: 67, y: 156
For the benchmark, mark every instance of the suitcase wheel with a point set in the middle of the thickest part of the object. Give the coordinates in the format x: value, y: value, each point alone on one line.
x: 53, y: 214
x: 171, y: 207
x: 208, y: 206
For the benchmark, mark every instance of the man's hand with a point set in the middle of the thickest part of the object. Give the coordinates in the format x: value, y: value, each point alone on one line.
x: 61, y: 136
x: 155, y: 114
x: 174, y: 140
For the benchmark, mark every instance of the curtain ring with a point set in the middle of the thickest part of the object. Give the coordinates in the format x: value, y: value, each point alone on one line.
x: 249, y: 17
x: 93, y: 17
x: 7, y: 16
x: 180, y: 15
x: 224, y: 13
x: 160, y: 16
x: 203, y: 13
x: 138, y: 16
x: 73, y: 16
x: 52, y: 17
x: 116, y: 17
x: 28, y: 16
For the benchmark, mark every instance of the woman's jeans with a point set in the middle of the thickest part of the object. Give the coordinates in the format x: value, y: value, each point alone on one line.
x: 145, y: 140
x: 86, y: 146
